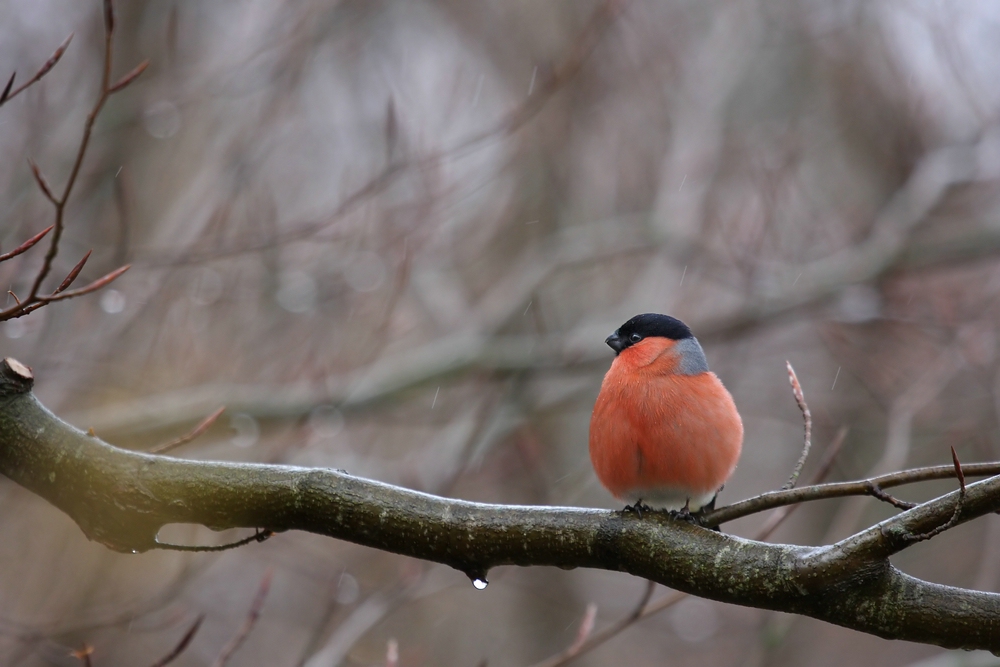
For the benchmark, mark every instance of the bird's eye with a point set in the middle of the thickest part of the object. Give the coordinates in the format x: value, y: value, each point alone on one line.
x: 635, y: 338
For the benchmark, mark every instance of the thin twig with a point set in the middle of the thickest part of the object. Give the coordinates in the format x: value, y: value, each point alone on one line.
x: 88, y: 128
x: 775, y: 499
x: 26, y: 245
x: 825, y: 465
x: 9, y: 94
x: 191, y: 435
x: 22, y: 309
x: 586, y: 627
x: 800, y: 400
x: 581, y: 647
x: 43, y: 183
x: 258, y: 536
x: 959, y: 503
x: 251, y: 620
x: 181, y: 645
x: 73, y: 273
x: 875, y: 491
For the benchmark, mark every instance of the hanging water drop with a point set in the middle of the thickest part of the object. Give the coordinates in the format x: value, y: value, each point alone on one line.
x: 480, y: 584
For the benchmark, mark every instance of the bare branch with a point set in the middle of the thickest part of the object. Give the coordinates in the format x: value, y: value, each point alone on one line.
x: 60, y: 204
x: 121, y: 498
x: 876, y: 491
x: 866, y: 487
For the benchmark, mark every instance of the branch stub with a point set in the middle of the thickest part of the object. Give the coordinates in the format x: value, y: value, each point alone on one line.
x: 17, y: 378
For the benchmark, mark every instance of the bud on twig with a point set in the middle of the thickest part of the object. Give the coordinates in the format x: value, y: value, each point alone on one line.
x: 42, y: 182
x: 26, y: 245
x: 127, y: 79
x: 68, y: 280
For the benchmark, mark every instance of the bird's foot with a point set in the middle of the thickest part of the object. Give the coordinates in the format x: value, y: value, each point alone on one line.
x: 638, y: 507
x: 695, y: 518
x: 684, y: 514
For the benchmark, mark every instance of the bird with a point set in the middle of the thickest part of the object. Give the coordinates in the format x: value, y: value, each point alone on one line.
x: 665, y: 433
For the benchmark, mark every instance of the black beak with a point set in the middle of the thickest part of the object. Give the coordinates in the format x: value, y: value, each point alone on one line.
x: 615, y: 342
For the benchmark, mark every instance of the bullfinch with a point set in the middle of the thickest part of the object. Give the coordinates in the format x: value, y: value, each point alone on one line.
x: 664, y: 433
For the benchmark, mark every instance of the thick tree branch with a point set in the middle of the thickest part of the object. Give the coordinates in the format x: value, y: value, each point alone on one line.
x: 122, y: 499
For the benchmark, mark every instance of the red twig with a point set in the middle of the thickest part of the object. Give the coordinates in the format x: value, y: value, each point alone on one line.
x: 251, y: 620
x: 22, y: 309
x: 181, y: 645
x: 129, y: 78
x: 190, y: 435
x: 26, y: 245
x: 71, y: 276
x: 43, y: 183
x: 9, y: 94
x: 958, y: 469
x: 586, y: 628
x: 35, y: 300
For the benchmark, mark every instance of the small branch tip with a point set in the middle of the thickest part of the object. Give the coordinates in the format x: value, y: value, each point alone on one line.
x: 958, y: 469
x: 129, y: 78
x: 800, y: 400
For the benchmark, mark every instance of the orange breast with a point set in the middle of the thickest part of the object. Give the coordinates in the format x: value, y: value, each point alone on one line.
x: 655, y: 429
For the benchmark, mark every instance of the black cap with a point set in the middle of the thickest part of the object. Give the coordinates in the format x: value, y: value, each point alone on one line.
x: 647, y: 325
